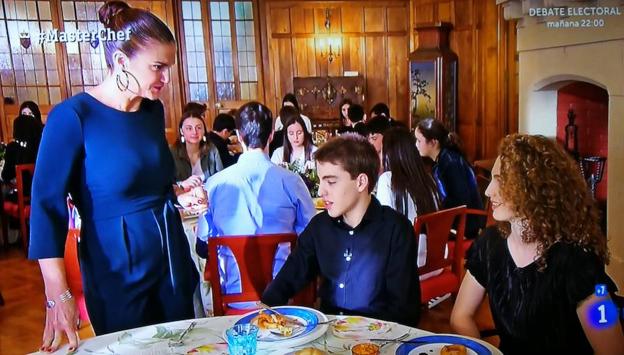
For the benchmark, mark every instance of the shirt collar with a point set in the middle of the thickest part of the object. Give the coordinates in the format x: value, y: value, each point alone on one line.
x: 253, y: 156
x: 373, y: 211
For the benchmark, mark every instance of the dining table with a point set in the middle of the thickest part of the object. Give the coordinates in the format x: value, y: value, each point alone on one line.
x: 207, y: 336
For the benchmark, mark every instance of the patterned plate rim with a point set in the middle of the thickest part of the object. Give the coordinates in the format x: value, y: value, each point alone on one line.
x: 309, y: 328
x: 473, y: 345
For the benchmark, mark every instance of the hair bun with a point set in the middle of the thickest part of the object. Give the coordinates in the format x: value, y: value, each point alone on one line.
x: 109, y: 10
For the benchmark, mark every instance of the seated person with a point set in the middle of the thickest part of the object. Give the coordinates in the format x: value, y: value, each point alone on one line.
x: 222, y: 128
x: 364, y: 252
x: 253, y: 196
x: 457, y: 183
x: 344, y: 125
x: 298, y: 146
x: 290, y: 100
x: 357, y: 117
x: 22, y: 150
x: 541, y: 264
x: 196, y: 159
x: 375, y: 128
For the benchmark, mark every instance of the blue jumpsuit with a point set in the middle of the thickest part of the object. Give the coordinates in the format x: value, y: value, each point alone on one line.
x: 134, y: 256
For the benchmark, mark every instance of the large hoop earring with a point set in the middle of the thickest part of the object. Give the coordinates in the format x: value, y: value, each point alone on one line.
x: 121, y: 85
x: 182, y: 139
x: 124, y: 83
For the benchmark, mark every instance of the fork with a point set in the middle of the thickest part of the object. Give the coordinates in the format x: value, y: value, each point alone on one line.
x: 287, y: 318
x: 179, y: 341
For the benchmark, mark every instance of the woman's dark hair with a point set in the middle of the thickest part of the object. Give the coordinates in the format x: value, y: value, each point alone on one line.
x: 289, y: 116
x: 290, y: 97
x: 380, y: 109
x: 431, y: 128
x: 409, y: 177
x: 144, y: 27
x: 195, y: 109
x: 27, y: 133
x: 34, y: 108
x: 254, y: 122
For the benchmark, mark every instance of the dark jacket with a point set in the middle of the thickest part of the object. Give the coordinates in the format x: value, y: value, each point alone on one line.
x: 222, y: 147
x: 210, y: 162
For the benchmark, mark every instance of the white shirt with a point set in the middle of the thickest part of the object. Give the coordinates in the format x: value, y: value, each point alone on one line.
x: 306, y: 120
x: 386, y: 197
x: 278, y: 154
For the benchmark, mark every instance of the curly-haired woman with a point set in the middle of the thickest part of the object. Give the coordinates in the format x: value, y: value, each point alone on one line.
x: 540, y: 266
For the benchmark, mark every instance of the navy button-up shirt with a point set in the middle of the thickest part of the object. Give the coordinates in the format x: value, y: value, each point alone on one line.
x: 368, y: 270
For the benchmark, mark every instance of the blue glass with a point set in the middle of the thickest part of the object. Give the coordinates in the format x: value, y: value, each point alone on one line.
x: 242, y: 339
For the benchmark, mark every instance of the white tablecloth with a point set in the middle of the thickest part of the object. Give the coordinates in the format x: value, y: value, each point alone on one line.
x: 209, y: 331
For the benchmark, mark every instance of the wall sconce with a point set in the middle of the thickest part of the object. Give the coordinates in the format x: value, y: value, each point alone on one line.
x: 327, y: 21
x: 330, y: 48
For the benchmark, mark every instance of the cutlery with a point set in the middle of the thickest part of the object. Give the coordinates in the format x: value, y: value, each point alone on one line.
x: 400, y: 341
x: 179, y: 342
x: 287, y: 318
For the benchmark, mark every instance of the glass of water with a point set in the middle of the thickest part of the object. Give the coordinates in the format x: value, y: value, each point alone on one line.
x: 242, y: 339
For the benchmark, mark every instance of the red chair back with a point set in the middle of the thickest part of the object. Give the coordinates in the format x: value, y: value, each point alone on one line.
x: 23, y: 201
x: 437, y: 226
x: 254, y: 255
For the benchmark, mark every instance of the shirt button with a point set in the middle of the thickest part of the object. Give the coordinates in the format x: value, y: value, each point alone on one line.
x: 341, y: 285
x: 350, y: 232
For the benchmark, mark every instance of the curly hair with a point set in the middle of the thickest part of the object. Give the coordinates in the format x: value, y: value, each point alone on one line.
x: 546, y: 189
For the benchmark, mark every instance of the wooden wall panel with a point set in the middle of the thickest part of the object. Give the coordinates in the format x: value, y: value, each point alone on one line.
x: 374, y: 19
x: 353, y: 21
x: 302, y: 20
x: 368, y: 33
x: 280, y: 21
x: 487, y: 84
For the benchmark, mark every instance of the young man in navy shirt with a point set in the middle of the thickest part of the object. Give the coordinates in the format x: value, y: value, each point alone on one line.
x: 364, y: 252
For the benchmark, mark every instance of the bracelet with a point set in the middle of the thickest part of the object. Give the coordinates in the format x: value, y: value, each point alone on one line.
x: 63, y: 297
x: 179, y: 185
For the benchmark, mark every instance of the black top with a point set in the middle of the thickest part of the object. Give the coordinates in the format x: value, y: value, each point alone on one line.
x: 226, y: 158
x: 535, y: 312
x: 457, y: 186
x: 368, y: 270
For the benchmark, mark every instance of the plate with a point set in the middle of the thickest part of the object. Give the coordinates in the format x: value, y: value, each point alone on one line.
x: 308, y: 316
x: 356, y: 327
x: 434, y: 343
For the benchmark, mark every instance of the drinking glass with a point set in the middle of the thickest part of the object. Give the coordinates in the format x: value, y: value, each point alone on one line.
x: 242, y: 339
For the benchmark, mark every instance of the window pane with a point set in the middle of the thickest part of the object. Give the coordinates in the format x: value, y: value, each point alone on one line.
x: 194, y: 40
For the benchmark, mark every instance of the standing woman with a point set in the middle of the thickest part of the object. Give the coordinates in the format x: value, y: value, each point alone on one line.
x: 541, y: 265
x: 297, y: 146
x: 107, y: 148
x: 196, y: 159
x: 456, y: 181
x: 405, y: 185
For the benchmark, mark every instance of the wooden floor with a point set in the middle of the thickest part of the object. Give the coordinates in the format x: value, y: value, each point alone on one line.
x: 22, y: 316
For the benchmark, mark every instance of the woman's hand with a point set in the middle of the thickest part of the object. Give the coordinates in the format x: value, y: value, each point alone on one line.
x: 61, y: 319
x: 61, y: 314
x: 192, y: 182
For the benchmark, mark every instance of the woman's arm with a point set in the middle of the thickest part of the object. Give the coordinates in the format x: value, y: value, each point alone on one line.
x: 61, y: 312
x: 607, y: 340
x: 470, y: 296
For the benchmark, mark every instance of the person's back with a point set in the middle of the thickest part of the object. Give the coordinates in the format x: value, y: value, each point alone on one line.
x: 253, y: 196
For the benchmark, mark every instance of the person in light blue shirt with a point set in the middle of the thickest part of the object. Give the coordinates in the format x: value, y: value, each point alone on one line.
x: 253, y: 196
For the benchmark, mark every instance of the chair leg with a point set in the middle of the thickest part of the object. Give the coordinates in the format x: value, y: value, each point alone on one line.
x: 1, y: 300
x: 5, y: 230
x: 24, y: 235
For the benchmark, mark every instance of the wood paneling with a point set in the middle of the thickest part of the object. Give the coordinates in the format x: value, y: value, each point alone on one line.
x: 374, y: 41
x: 487, y: 81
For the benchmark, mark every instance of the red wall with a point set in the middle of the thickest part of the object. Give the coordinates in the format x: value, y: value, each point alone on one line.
x: 590, y: 103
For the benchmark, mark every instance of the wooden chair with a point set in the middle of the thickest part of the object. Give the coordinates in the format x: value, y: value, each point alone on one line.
x: 21, y: 210
x: 254, y: 255
x: 437, y: 226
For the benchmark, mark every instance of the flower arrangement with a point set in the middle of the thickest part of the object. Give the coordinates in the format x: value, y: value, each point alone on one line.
x: 307, y: 171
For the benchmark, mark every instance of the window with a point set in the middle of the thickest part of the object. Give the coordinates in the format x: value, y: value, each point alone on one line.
x: 197, y: 72
x: 86, y: 61
x: 233, y: 51
x: 28, y: 70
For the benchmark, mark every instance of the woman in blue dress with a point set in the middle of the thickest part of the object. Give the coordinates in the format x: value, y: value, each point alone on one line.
x: 107, y: 148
